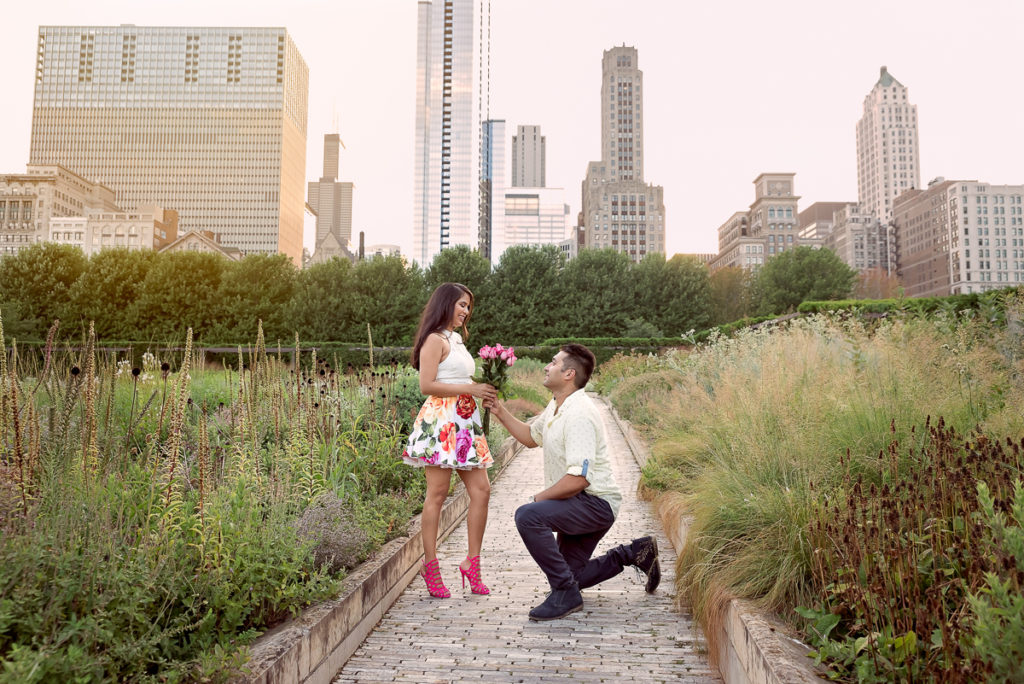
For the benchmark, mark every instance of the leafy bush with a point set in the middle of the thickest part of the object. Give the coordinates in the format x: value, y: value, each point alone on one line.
x: 122, y: 585
x: 991, y: 302
x: 997, y: 630
x: 899, y: 551
x: 330, y: 526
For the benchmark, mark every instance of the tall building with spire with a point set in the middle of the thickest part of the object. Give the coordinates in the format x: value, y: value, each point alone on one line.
x: 452, y: 101
x: 621, y: 210
x: 888, y: 155
x: 210, y: 122
x: 331, y: 202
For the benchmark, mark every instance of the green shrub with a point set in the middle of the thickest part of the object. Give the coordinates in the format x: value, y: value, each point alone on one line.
x: 997, y: 638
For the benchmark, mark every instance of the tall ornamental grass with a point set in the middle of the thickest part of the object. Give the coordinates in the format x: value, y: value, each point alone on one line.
x: 752, y: 433
x: 154, y: 520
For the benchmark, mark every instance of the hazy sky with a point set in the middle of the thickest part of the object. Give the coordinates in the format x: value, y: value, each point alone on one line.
x: 732, y: 89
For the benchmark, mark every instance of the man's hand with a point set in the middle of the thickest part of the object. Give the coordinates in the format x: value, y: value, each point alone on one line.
x: 515, y: 427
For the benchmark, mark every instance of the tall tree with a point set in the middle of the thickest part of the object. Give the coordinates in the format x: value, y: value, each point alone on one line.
x: 181, y: 291
x: 458, y: 264
x: 322, y: 305
x: 39, y: 278
x: 674, y: 295
x: 802, y: 274
x: 389, y: 296
x: 731, y: 294
x: 599, y: 294
x: 257, y: 288
x: 107, y: 293
x: 521, y: 300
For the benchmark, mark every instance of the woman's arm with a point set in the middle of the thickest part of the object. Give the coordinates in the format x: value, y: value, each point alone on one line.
x: 431, y: 354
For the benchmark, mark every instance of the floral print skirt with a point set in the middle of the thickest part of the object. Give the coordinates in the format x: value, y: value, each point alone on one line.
x: 448, y: 432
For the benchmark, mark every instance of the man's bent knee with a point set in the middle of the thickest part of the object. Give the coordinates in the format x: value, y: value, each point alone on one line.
x: 526, y: 516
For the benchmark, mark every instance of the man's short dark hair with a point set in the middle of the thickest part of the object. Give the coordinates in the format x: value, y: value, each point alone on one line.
x: 580, y: 359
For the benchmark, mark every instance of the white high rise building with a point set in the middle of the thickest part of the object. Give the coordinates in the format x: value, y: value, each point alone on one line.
x: 210, y: 122
x: 528, y: 158
x: 452, y: 101
x: 888, y: 156
x: 960, y: 237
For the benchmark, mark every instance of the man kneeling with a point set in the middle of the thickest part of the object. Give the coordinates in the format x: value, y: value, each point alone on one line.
x: 581, y: 498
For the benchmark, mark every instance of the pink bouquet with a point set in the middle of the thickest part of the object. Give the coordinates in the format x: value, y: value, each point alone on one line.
x: 494, y: 371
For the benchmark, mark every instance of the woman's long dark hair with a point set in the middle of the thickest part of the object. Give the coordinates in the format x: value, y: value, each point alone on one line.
x: 438, y: 313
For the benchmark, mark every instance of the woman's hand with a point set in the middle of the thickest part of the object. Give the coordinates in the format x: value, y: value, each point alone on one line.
x: 482, y: 390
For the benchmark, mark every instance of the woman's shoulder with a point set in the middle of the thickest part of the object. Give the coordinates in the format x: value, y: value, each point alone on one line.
x: 438, y: 336
x: 437, y: 341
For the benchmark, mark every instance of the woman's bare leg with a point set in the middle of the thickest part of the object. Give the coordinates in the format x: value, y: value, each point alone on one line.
x: 438, y: 481
x: 479, y: 489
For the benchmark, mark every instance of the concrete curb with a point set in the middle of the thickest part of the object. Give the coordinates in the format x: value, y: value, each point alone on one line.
x: 313, y: 647
x: 753, y: 648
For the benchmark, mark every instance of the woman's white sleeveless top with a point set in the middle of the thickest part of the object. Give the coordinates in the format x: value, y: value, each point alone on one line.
x: 456, y: 368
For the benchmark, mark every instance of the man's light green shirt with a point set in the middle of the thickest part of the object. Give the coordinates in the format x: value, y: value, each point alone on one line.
x: 574, y: 444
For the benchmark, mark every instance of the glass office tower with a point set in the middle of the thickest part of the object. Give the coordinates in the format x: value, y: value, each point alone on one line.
x: 210, y: 122
x: 452, y: 91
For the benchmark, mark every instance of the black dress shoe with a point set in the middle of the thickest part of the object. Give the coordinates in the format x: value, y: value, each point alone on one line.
x: 645, y: 558
x: 558, y: 604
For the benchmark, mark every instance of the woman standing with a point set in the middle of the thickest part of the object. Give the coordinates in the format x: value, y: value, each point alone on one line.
x: 447, y: 434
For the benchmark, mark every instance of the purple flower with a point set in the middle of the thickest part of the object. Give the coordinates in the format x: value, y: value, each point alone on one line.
x: 463, y: 441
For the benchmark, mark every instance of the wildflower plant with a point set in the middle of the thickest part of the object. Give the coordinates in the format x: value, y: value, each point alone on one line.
x: 181, y: 487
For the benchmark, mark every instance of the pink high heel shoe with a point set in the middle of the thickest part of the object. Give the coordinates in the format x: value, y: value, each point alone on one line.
x: 473, y: 575
x: 431, y: 574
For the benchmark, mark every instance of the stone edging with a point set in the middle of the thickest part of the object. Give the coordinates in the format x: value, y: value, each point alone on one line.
x: 313, y: 647
x: 753, y: 648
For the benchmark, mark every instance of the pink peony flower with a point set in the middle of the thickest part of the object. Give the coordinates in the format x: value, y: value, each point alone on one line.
x: 463, y: 441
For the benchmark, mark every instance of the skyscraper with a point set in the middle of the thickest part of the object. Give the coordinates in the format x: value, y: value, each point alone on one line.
x: 452, y: 101
x: 528, y: 158
x: 888, y: 158
x: 518, y: 215
x: 331, y: 201
x: 492, y: 188
x: 620, y: 210
x: 210, y: 122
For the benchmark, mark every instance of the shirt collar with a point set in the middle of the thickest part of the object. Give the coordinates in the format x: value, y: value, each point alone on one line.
x: 570, y: 400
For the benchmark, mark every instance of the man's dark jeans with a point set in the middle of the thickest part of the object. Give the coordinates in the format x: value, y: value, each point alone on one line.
x: 579, y: 523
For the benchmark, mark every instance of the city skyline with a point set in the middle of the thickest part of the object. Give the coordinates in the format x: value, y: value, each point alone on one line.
x: 731, y: 91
